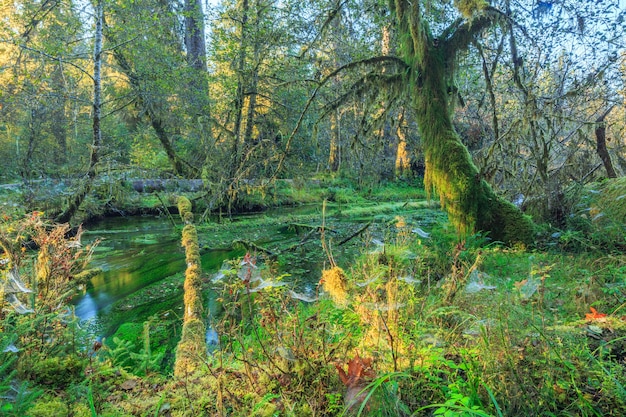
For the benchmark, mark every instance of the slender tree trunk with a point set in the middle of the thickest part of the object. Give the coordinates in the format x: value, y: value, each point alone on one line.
x: 390, y: 141
x: 59, y: 117
x: 335, y: 154
x: 180, y: 166
x: 241, y: 88
x: 403, y: 159
x: 601, y: 145
x: 76, y: 202
x: 254, y: 83
x: 334, y: 157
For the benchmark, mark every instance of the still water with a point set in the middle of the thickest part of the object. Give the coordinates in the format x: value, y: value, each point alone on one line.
x: 136, y: 254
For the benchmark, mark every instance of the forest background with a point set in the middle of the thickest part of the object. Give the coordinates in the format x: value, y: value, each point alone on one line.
x: 241, y: 91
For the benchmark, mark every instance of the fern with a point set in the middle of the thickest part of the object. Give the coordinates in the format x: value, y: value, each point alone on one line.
x: 120, y: 353
x: 16, y: 398
x: 147, y: 361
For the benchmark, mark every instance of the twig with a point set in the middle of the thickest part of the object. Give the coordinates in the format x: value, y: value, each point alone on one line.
x: 357, y: 233
x: 169, y: 215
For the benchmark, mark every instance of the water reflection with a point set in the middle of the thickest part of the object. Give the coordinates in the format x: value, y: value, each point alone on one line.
x: 132, y: 253
x: 86, y: 308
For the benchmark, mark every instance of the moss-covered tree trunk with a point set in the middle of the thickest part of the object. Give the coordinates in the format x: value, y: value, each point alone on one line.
x: 470, y: 202
x: 77, y: 200
x: 192, y: 350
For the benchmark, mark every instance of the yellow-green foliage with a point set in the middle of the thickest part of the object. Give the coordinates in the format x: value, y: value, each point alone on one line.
x: 43, y: 264
x: 184, y: 209
x: 52, y: 407
x: 190, y: 242
x: 54, y: 372
x: 336, y: 285
x: 191, y: 351
x: 469, y: 7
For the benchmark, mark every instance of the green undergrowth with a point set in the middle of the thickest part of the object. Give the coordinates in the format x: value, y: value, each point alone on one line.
x: 598, y: 217
x: 477, y: 329
x: 413, y: 323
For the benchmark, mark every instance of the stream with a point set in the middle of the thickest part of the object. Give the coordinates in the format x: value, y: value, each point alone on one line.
x: 143, y: 263
x: 135, y: 254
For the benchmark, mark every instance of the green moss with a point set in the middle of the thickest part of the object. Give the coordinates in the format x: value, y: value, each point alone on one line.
x: 129, y: 331
x: 184, y: 208
x: 56, y: 372
x: 192, y: 346
x: 469, y: 201
x: 191, y: 351
x: 469, y: 7
x: 49, y: 407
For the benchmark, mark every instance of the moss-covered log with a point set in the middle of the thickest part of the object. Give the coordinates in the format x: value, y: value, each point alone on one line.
x: 470, y: 202
x: 191, y: 351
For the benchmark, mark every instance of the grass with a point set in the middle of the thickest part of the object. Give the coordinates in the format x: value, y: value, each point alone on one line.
x: 445, y: 328
x: 489, y: 352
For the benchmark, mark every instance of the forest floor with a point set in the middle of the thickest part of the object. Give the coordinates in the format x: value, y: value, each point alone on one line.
x: 414, y: 322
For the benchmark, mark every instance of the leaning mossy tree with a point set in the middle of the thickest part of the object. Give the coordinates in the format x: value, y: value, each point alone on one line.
x: 469, y: 200
x: 423, y: 75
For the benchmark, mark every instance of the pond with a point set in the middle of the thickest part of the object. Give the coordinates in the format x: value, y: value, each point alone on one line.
x: 143, y: 264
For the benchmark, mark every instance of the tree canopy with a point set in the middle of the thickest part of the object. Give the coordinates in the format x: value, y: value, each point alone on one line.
x: 490, y: 101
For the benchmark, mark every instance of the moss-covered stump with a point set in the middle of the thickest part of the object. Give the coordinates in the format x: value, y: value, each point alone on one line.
x: 191, y: 351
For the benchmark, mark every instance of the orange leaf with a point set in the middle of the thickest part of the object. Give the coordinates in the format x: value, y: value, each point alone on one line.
x: 520, y: 284
x: 594, y: 315
x: 359, y: 369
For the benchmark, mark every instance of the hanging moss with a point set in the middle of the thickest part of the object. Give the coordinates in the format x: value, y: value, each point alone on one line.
x: 335, y: 284
x: 184, y: 209
x: 470, y: 202
x: 469, y: 7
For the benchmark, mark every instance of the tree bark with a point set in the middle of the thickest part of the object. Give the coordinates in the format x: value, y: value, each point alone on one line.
x: 59, y: 120
x: 80, y: 195
x: 180, y: 167
x: 194, y: 35
x: 241, y: 88
x: 469, y: 200
x: 334, y: 157
x: 601, y: 144
x: 254, y: 83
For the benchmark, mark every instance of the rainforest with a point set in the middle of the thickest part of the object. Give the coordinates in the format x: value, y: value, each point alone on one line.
x: 312, y: 208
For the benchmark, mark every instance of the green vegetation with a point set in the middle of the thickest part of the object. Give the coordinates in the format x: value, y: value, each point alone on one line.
x: 419, y: 323
x: 454, y: 243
